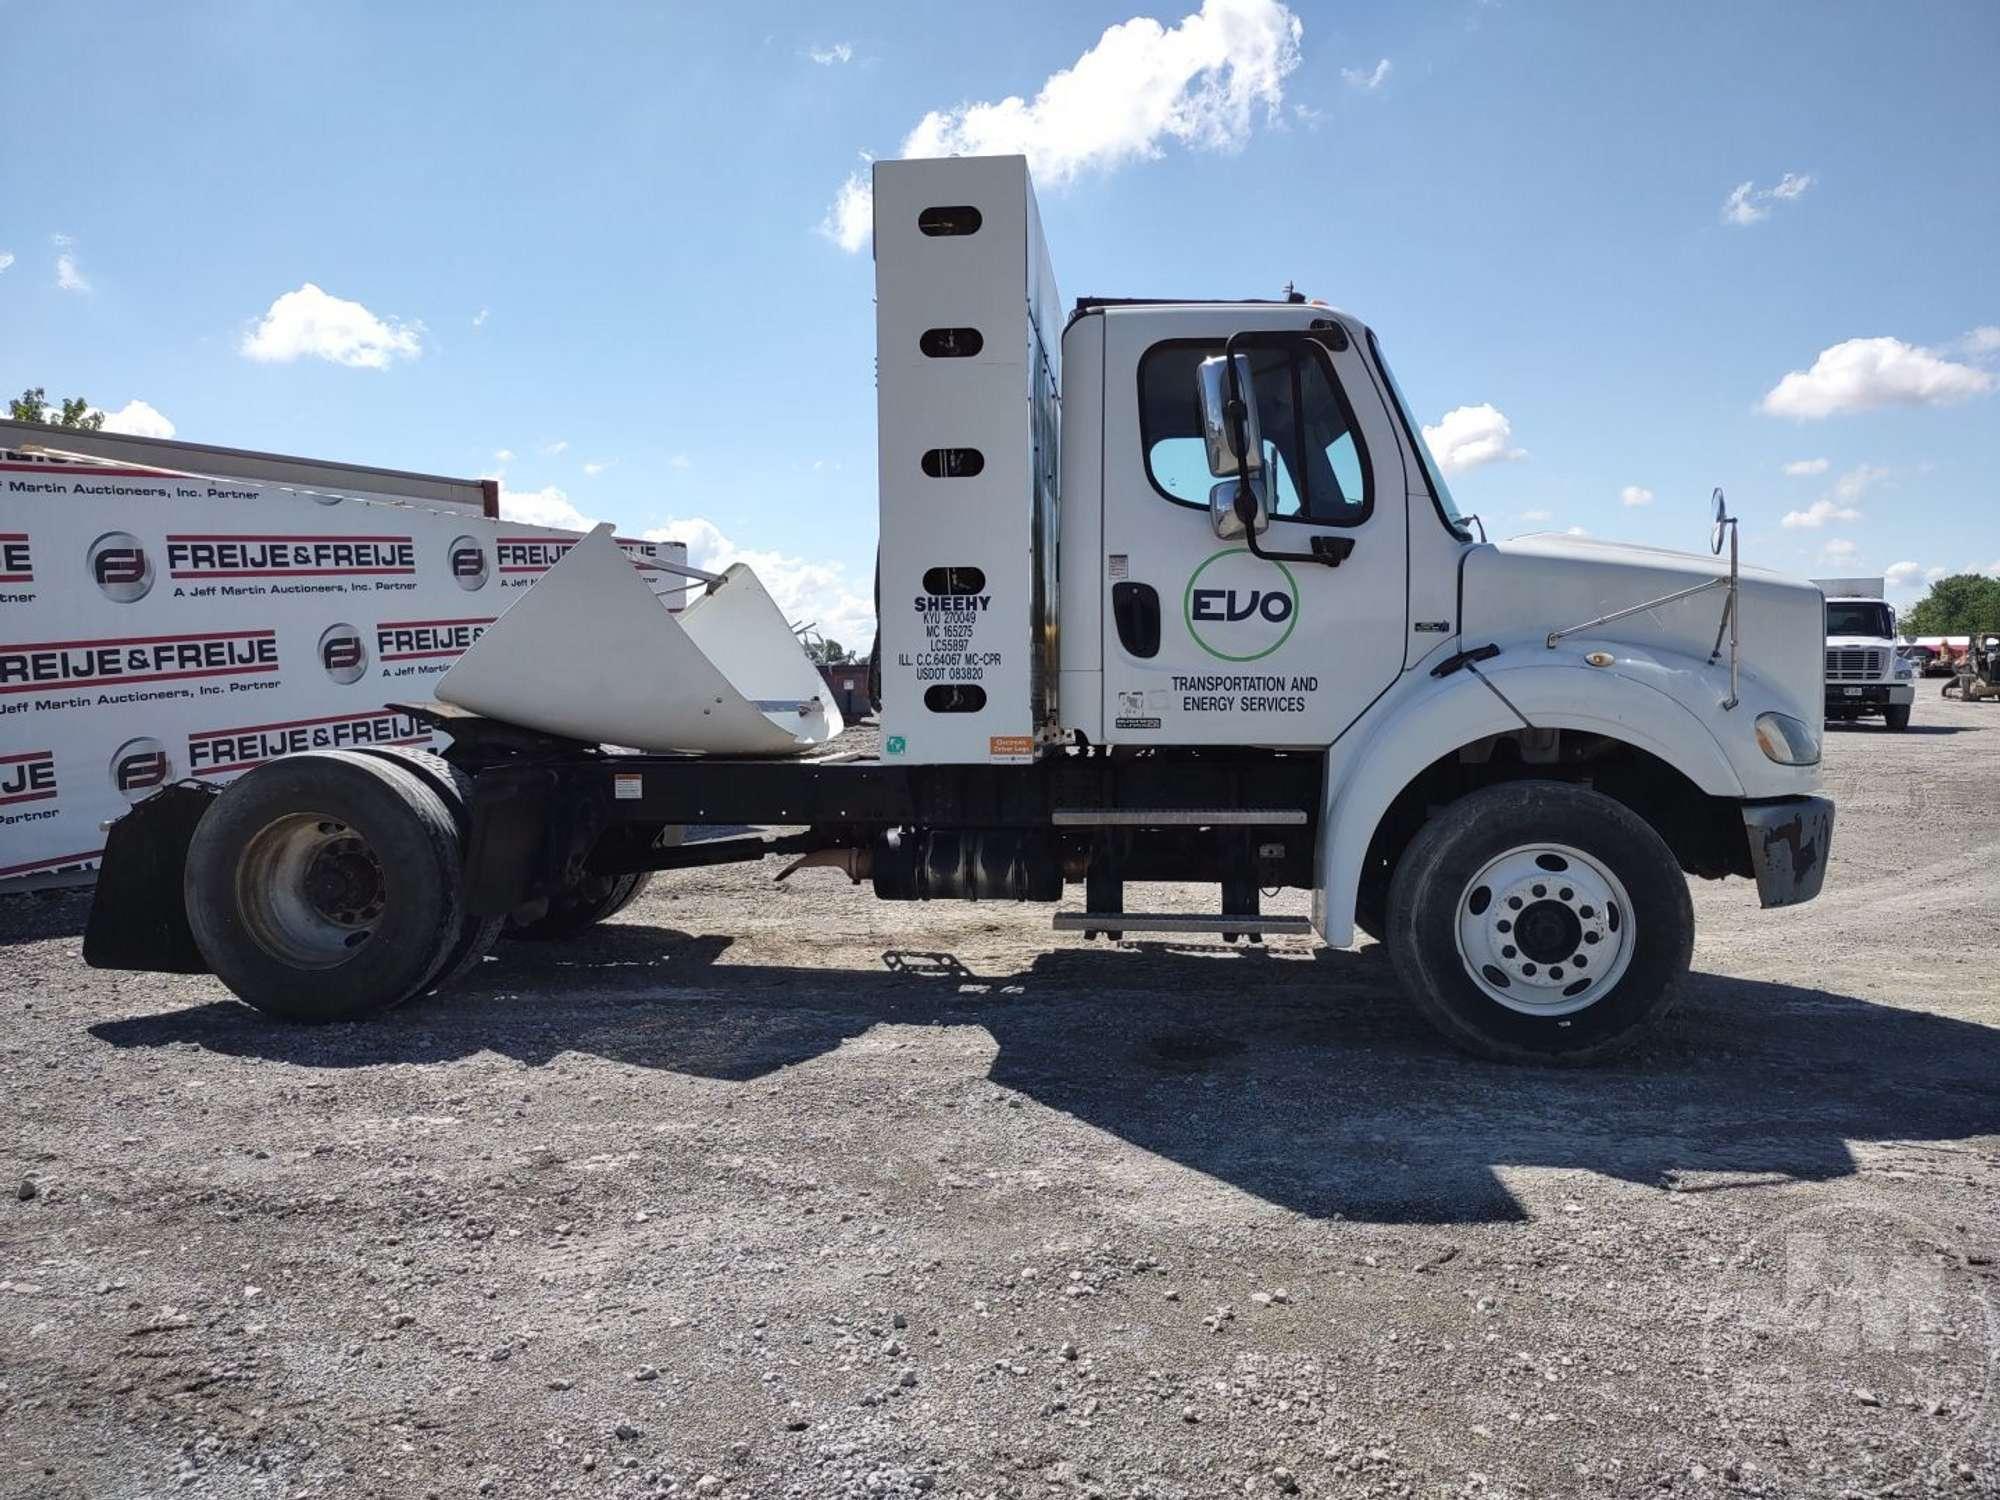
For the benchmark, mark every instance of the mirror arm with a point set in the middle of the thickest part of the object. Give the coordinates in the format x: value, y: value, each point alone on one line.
x: 1329, y: 551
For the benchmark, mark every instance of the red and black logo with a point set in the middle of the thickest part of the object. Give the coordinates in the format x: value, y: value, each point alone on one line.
x: 537, y: 554
x: 28, y: 777
x: 43, y: 666
x: 198, y: 555
x: 218, y: 752
x: 342, y: 653
x: 17, y: 558
x: 120, y: 567
x: 138, y: 767
x: 420, y: 640
x: 468, y: 563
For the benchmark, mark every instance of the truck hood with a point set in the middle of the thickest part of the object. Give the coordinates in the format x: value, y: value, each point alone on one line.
x: 1529, y: 586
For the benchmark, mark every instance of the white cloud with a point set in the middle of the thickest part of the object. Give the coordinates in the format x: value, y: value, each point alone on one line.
x: 1576, y: 531
x: 1800, y: 468
x: 138, y: 419
x: 69, y: 277
x: 680, y: 461
x: 1199, y: 83
x: 1635, y: 495
x: 816, y: 592
x: 1367, y: 79
x: 6, y: 259
x: 827, y: 57
x: 1902, y: 575
x: 1857, y: 481
x: 1936, y: 573
x: 1747, y: 203
x: 134, y: 419
x: 556, y: 449
x: 1537, y: 515
x: 503, y: 455
x: 1309, y: 117
x: 1862, y: 374
x: 850, y: 220
x: 1818, y: 514
x: 479, y: 318
x: 1839, y: 550
x: 1984, y: 339
x: 311, y: 322
x: 547, y: 506
x: 596, y: 467
x: 1468, y: 436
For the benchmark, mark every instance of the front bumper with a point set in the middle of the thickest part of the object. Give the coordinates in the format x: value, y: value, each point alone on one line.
x: 1790, y: 838
x: 1863, y: 697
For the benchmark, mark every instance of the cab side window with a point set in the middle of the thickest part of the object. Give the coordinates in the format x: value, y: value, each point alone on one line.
x: 1316, y: 468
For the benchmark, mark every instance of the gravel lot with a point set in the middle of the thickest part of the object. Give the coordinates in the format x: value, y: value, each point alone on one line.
x: 784, y: 1192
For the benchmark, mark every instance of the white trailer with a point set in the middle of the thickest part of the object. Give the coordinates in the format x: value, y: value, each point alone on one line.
x: 1170, y: 591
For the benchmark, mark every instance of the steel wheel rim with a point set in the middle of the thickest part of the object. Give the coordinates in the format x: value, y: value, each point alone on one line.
x: 311, y: 890
x: 1545, y: 929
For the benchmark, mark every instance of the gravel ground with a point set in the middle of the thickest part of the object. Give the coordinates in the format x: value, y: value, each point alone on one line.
x: 784, y: 1192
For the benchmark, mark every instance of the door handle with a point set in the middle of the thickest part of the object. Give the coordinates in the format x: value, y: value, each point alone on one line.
x: 1136, y: 609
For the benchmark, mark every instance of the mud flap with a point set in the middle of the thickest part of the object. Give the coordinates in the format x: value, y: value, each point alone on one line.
x: 1790, y: 839
x: 138, y: 916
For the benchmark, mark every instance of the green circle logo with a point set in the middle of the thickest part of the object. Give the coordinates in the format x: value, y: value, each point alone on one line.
x: 1236, y: 609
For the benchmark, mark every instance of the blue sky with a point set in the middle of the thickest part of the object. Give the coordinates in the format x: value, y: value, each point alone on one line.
x: 596, y: 238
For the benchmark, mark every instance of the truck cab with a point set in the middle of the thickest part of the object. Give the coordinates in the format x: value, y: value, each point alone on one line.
x: 1866, y: 675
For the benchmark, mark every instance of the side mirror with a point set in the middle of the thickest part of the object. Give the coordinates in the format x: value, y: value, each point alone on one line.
x: 1212, y: 391
x: 1722, y: 521
x: 1227, y: 519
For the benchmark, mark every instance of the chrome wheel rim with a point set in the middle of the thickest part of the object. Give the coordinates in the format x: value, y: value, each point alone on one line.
x: 311, y: 890
x: 1545, y: 929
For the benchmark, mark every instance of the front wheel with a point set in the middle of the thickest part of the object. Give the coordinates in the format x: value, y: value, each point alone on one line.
x: 1540, y: 921
x: 1897, y: 716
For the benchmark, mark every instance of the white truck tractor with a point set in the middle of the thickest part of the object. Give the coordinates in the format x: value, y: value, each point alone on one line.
x: 1169, y: 591
x: 1865, y: 674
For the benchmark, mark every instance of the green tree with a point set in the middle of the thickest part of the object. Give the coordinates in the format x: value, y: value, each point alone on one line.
x: 32, y: 405
x: 1958, y: 605
x: 828, y: 652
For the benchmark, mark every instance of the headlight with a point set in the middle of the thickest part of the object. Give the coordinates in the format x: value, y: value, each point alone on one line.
x: 1785, y: 740
x: 1906, y: 671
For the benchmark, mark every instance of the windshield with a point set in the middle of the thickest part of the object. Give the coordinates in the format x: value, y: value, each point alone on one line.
x: 1440, y: 491
x: 1859, y: 617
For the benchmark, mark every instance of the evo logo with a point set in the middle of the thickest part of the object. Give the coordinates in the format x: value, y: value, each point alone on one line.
x: 1240, y: 607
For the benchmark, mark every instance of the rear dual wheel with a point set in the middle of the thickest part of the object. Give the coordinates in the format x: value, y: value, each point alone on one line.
x: 327, y: 886
x: 577, y: 908
x: 1540, y: 921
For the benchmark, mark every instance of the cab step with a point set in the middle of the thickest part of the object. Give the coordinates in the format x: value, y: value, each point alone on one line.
x: 1179, y: 817
x: 1132, y: 921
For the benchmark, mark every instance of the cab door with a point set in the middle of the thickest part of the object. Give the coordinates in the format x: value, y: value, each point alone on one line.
x: 1204, y: 642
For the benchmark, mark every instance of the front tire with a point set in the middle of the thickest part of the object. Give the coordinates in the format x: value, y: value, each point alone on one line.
x: 1896, y: 716
x: 1539, y: 921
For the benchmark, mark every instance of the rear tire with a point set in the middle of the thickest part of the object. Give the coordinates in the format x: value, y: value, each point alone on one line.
x: 580, y: 907
x: 1896, y: 716
x: 476, y: 935
x: 326, y: 886
x: 1502, y: 893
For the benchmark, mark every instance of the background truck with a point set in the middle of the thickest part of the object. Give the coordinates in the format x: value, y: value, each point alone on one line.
x: 1865, y: 674
x: 1170, y: 592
